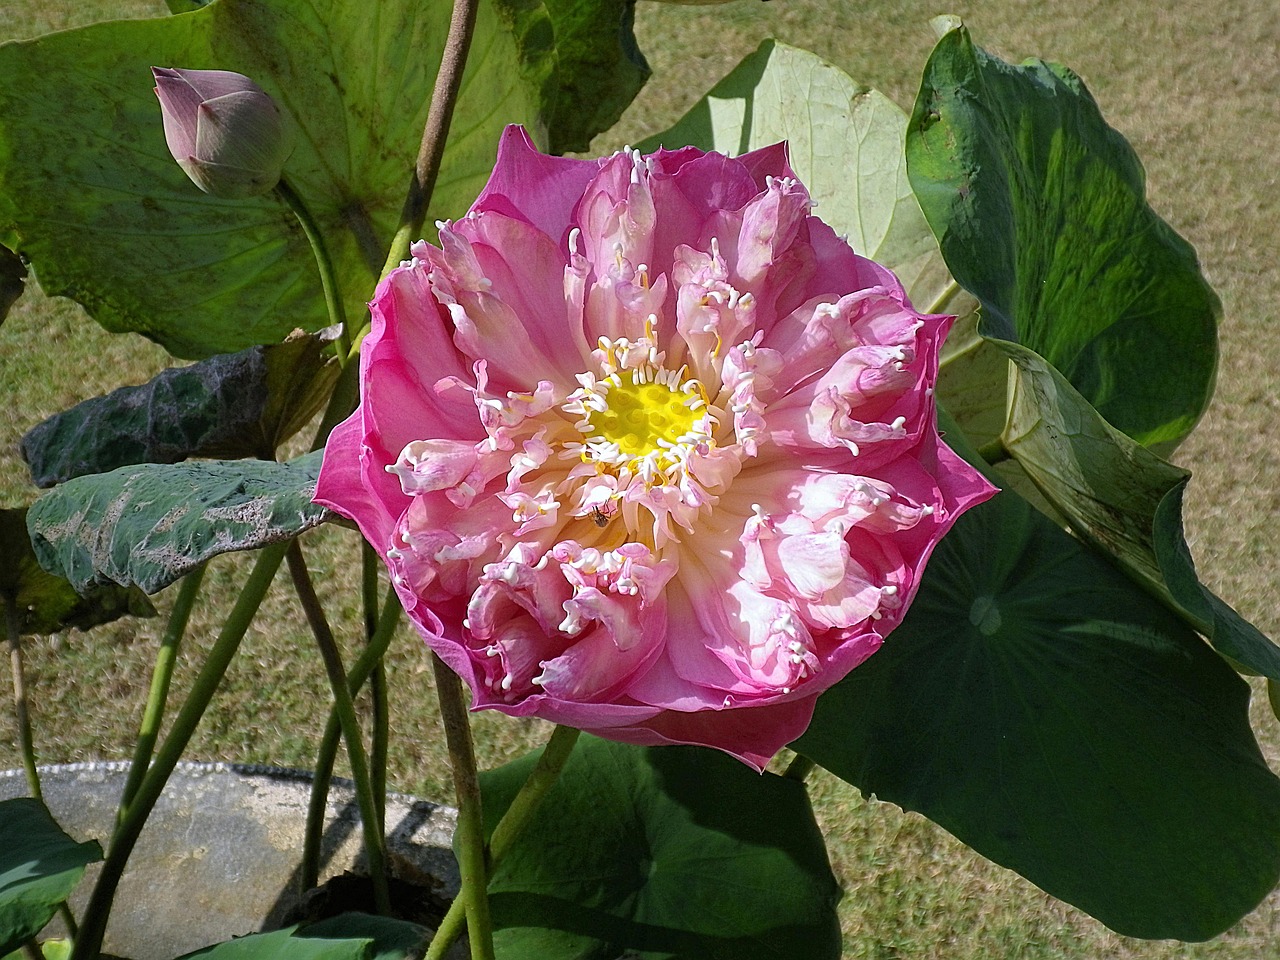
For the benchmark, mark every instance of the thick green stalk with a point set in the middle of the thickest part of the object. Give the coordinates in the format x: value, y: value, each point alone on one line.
x: 381, y: 736
x: 369, y: 657
x: 440, y: 114
x: 374, y: 842
x: 313, y: 833
x: 21, y: 713
x: 89, y: 944
x: 161, y: 676
x: 450, y: 927
x: 346, y: 393
x: 470, y: 831
x: 545, y: 773
x: 532, y: 791
x: 328, y: 279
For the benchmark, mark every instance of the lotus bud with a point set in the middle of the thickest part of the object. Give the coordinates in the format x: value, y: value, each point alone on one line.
x: 225, y: 132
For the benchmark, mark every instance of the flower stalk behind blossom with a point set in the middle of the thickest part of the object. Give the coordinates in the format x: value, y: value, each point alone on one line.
x: 648, y: 449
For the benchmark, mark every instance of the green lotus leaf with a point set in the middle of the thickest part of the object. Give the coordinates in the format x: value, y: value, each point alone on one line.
x: 1040, y: 211
x: 286, y: 945
x: 392, y: 939
x: 150, y: 524
x: 88, y: 180
x: 1062, y: 722
x: 39, y: 867
x: 633, y: 850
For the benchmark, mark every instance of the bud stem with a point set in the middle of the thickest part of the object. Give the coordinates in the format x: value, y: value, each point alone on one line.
x: 328, y: 281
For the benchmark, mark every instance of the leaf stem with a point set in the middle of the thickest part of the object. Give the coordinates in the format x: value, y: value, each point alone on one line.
x: 444, y: 96
x: 20, y: 706
x: 799, y: 768
x: 346, y: 393
x: 532, y: 791
x: 161, y: 676
x: 374, y: 842
x: 470, y: 831
x: 449, y: 929
x: 328, y: 279
x: 371, y: 655
x: 89, y: 944
x: 526, y: 802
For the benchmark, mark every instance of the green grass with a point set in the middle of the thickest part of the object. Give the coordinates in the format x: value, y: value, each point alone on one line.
x: 1187, y: 82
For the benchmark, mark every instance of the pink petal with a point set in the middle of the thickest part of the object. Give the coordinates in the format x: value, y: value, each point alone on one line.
x: 531, y: 186
x: 428, y: 465
x: 703, y: 595
x: 771, y: 161
x: 752, y: 734
x: 621, y: 643
x: 342, y: 485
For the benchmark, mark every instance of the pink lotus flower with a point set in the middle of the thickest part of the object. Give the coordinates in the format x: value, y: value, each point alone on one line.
x: 648, y: 450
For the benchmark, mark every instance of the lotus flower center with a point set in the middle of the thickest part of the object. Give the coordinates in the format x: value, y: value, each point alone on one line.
x: 639, y: 416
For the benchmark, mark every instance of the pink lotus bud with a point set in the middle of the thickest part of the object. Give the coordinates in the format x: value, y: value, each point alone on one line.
x: 225, y: 132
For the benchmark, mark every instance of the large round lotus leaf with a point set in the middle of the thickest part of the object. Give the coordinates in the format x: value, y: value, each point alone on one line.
x: 661, y: 853
x: 1062, y: 722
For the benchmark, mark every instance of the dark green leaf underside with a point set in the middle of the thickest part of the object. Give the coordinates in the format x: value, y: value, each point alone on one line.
x: 1119, y: 497
x: 46, y: 603
x: 149, y: 525
x: 229, y: 406
x: 13, y: 280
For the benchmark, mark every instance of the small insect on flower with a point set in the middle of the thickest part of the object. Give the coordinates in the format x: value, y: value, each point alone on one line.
x: 670, y: 346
